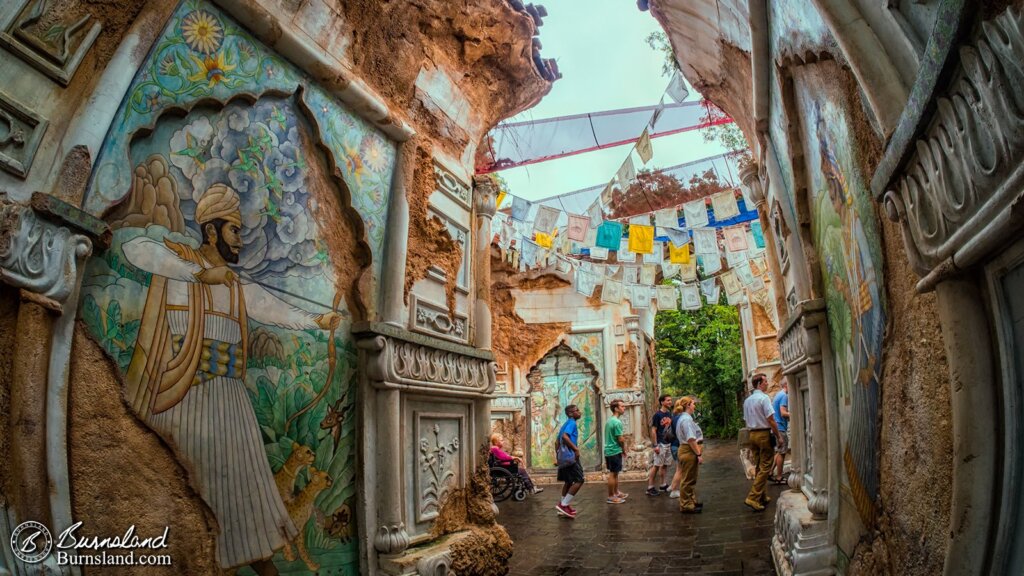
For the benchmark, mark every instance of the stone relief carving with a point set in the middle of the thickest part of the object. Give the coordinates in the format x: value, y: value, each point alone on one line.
x: 38, y: 255
x: 436, y: 565
x: 20, y: 133
x: 391, y: 539
x: 438, y: 464
x: 957, y: 180
x: 52, y: 36
x: 451, y: 186
x: 402, y: 359
x: 509, y: 403
x: 435, y: 320
x: 630, y: 397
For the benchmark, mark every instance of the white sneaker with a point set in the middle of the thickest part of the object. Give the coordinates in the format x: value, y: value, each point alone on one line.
x: 674, y: 494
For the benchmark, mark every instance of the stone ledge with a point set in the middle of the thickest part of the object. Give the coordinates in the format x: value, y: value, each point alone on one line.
x: 414, y: 559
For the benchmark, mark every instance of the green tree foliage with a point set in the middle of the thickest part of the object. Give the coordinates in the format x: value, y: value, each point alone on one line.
x: 658, y: 41
x: 699, y: 354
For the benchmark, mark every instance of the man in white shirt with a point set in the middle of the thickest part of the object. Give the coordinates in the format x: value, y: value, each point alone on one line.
x: 760, y: 418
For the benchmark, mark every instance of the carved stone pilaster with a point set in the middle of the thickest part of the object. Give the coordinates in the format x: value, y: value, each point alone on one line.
x: 750, y: 178
x: 799, y: 339
x: 485, y: 196
x: 957, y: 197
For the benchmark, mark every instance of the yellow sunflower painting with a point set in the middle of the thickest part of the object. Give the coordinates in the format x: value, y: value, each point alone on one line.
x: 202, y: 31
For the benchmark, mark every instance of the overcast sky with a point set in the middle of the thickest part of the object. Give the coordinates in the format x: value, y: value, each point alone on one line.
x: 606, y: 64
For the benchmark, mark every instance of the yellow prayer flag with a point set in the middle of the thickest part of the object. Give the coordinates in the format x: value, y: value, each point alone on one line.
x: 641, y: 239
x: 679, y: 255
x: 501, y: 198
x: 543, y: 240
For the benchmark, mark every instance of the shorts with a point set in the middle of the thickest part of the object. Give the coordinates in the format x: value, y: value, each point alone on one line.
x: 663, y: 457
x: 614, y: 463
x: 783, y: 447
x: 675, y: 453
x: 572, y: 474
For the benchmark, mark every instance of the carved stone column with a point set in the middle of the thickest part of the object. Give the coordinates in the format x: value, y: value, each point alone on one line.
x: 804, y: 541
x: 42, y: 250
x: 393, y: 286
x: 485, y: 192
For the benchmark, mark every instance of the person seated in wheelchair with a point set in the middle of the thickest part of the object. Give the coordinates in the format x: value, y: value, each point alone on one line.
x: 500, y: 458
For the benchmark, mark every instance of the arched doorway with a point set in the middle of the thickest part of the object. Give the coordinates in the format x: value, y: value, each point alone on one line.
x: 563, y: 377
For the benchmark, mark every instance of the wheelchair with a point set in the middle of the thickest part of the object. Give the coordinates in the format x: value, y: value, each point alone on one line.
x: 506, y: 481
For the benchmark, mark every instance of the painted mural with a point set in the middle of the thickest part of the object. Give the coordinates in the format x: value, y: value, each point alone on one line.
x: 561, y: 379
x: 219, y: 299
x: 847, y: 239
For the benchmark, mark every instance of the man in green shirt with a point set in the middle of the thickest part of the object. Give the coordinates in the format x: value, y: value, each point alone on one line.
x: 614, y: 451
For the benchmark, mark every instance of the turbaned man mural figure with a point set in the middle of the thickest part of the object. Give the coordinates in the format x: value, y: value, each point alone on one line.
x: 186, y: 376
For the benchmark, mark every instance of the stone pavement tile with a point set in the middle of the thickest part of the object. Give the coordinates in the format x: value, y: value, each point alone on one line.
x: 646, y: 535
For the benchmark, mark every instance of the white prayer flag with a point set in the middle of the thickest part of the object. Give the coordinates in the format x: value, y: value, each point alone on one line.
x: 656, y: 255
x: 710, y: 263
x: 520, y: 208
x: 668, y: 297
x: 546, y: 219
x: 630, y: 274
x: 688, y: 271
x: 730, y: 282
x: 675, y: 235
x: 562, y: 265
x: 640, y: 219
x: 591, y: 238
x: 643, y: 147
x: 647, y: 274
x: 612, y: 292
x: 744, y: 274
x: 724, y: 205
x: 667, y: 218
x: 587, y: 266
x: 696, y: 214
x: 598, y: 253
x: 676, y: 89
x: 669, y: 270
x: 708, y: 285
x: 734, y: 259
x: 529, y: 254
x: 627, y: 172
x: 611, y: 270
x: 585, y: 283
x: 690, y: 296
x: 735, y: 298
x: 714, y: 296
x: 596, y: 214
x: 640, y: 296
x: 756, y: 286
x: 624, y: 255
x: 705, y: 241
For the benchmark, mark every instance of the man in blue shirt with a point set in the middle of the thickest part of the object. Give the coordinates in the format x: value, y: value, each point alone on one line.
x: 781, y: 406
x: 571, y: 475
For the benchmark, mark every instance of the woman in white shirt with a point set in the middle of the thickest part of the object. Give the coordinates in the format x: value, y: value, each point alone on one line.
x: 690, y: 456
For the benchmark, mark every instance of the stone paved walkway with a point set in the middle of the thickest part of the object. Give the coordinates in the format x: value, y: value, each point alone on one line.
x: 646, y: 535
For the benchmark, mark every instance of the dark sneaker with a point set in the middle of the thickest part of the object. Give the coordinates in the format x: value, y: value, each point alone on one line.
x: 652, y: 492
x: 664, y: 488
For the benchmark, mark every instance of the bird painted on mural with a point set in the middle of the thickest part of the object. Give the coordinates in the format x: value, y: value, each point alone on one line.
x: 198, y: 149
x: 273, y: 183
x: 271, y: 210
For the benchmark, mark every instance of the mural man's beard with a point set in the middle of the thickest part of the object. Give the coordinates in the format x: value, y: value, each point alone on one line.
x: 229, y: 255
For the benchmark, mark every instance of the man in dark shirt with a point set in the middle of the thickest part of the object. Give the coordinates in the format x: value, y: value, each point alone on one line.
x: 661, y: 439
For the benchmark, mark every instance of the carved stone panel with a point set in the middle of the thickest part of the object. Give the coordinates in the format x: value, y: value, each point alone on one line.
x: 52, y: 36
x: 451, y: 186
x: 20, y: 133
x: 437, y: 460
x: 435, y: 320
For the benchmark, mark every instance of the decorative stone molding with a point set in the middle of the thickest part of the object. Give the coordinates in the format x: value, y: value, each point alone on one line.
x: 391, y: 539
x: 436, y: 565
x: 396, y: 358
x: 801, y: 544
x: 818, y: 503
x: 38, y: 255
x: 20, y: 132
x: 451, y: 186
x: 45, y: 36
x: 506, y: 403
x: 630, y: 397
x: 958, y: 194
x: 632, y: 323
x: 799, y: 339
x: 435, y: 320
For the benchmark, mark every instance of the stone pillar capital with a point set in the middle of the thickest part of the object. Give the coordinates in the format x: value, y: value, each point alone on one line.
x: 751, y: 180
x: 485, y: 196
